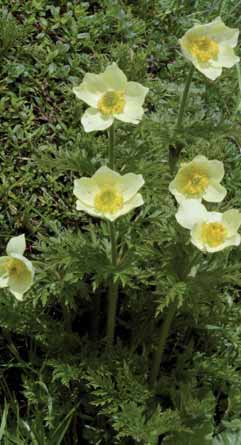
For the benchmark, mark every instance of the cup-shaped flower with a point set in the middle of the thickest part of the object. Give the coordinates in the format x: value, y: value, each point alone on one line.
x: 110, y: 96
x: 16, y: 271
x: 107, y: 194
x: 210, y: 47
x: 210, y: 231
x: 199, y: 179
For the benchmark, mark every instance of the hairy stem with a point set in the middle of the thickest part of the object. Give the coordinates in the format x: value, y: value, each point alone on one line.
x: 174, y: 151
x: 111, y: 147
x: 162, y: 342
x: 184, y: 98
x: 239, y: 87
x: 113, y: 290
x: 113, y: 286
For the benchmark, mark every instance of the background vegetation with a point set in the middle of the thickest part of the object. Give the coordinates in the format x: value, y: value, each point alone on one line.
x: 58, y: 384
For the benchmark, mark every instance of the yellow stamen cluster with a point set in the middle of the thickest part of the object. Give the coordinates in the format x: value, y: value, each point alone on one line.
x: 14, y: 267
x: 203, y: 48
x: 112, y: 102
x: 108, y: 200
x: 213, y: 233
x: 196, y: 183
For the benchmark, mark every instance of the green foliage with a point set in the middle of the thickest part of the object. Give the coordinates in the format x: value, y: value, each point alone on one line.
x: 227, y: 438
x: 58, y: 382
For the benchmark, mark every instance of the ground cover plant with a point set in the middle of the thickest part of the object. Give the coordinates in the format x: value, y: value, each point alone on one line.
x: 120, y: 211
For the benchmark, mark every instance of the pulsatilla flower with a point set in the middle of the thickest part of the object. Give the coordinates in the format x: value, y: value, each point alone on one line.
x: 107, y: 194
x: 110, y: 96
x: 16, y: 271
x: 210, y: 231
x: 210, y: 47
x: 199, y: 179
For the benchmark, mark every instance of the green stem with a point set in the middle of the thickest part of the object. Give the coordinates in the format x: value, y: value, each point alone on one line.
x: 111, y: 146
x: 113, y: 290
x: 184, y: 98
x: 239, y: 86
x: 162, y: 342
x: 113, y: 286
x: 174, y: 151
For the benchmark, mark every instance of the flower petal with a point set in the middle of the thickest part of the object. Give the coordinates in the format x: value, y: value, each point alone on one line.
x: 17, y: 244
x: 215, y: 192
x: 85, y: 190
x: 132, y: 113
x: 232, y: 219
x: 226, y: 57
x: 222, y: 33
x: 81, y: 206
x: 215, y: 170
x: 20, y: 283
x: 105, y: 176
x: 3, y: 271
x: 130, y: 184
x: 136, y: 92
x: 209, y: 71
x: 134, y: 202
x: 191, y: 212
x: 93, y: 120
x: 114, y: 78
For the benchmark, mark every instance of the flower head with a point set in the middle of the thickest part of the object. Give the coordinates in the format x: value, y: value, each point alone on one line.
x: 210, y: 231
x: 110, y: 96
x: 199, y: 179
x: 210, y: 47
x: 16, y: 272
x: 108, y: 194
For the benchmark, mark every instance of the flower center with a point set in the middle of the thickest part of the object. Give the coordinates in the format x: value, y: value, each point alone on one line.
x: 111, y: 102
x: 196, y: 184
x: 213, y: 233
x: 14, y: 267
x: 204, y: 48
x: 108, y: 200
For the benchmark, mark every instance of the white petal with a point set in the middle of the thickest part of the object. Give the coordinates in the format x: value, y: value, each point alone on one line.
x: 232, y: 219
x: 226, y: 57
x: 215, y: 192
x: 91, y: 89
x: 196, y: 237
x: 214, y: 217
x: 222, y: 33
x: 136, y: 92
x: 190, y: 212
x: 17, y: 295
x: 17, y: 244
x: 87, y: 96
x: 215, y: 170
x: 132, y: 113
x: 85, y: 190
x: 178, y: 195
x: 134, y: 202
x: 209, y: 71
x: 200, y: 158
x: 87, y: 209
x: 114, y: 78
x: 93, y: 120
x: 130, y: 184
x: 3, y: 271
x: 105, y: 176
x: 20, y: 284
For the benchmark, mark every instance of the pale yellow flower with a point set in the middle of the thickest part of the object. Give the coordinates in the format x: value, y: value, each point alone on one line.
x: 110, y: 96
x: 210, y: 47
x: 210, y: 231
x: 199, y: 179
x: 16, y: 271
x: 107, y: 194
